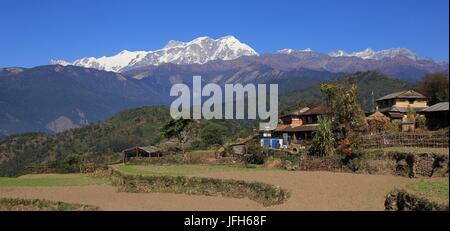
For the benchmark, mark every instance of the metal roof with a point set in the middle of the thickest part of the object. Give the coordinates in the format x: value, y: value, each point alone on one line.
x: 396, y: 115
x: 320, y: 110
x: 148, y: 149
x: 401, y: 109
x: 296, y: 113
x: 409, y: 94
x: 437, y: 107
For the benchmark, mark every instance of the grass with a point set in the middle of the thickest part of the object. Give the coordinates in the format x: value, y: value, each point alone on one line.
x: 187, y: 169
x: 7, y: 204
x: 415, y: 150
x: 48, y: 181
x: 431, y: 188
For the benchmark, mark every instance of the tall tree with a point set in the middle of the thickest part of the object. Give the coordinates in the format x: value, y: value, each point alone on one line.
x: 435, y: 86
x: 346, y: 114
x: 178, y: 129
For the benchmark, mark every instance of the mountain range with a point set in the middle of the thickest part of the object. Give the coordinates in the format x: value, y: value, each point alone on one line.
x: 397, y: 62
x: 200, y: 50
x: 67, y: 95
x: 368, y: 53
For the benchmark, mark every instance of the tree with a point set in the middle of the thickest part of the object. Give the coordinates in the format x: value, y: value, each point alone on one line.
x: 178, y: 129
x: 346, y: 115
x: 435, y: 86
x: 213, y: 134
x: 323, y: 142
x: 410, y: 114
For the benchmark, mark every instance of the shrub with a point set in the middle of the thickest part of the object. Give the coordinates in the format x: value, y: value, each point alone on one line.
x: 41, y: 205
x: 254, y: 155
x: 393, y: 126
x: 213, y: 134
x: 265, y: 194
x: 254, y: 158
x: 323, y: 142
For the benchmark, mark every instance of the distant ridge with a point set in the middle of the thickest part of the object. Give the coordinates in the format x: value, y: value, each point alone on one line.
x: 200, y: 50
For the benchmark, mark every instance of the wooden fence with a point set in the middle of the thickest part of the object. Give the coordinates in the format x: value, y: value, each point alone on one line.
x: 405, y: 139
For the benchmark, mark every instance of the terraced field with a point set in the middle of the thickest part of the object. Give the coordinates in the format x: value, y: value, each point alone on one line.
x: 188, y: 169
x: 309, y: 190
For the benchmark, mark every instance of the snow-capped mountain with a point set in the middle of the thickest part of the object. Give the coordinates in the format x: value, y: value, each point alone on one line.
x: 367, y: 54
x: 377, y: 55
x: 288, y: 51
x: 198, y: 51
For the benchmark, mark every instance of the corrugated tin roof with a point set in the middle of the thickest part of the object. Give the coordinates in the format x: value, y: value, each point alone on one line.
x: 401, y: 109
x: 296, y: 113
x: 409, y: 94
x: 148, y: 149
x: 396, y: 115
x: 320, y: 110
x: 437, y: 107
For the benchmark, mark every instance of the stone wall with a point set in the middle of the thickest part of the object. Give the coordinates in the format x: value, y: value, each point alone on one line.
x: 401, y: 200
x: 394, y: 163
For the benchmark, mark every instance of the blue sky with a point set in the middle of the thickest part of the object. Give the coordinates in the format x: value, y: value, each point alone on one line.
x: 33, y: 32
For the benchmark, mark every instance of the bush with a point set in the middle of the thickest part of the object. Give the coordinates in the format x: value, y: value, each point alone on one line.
x: 288, y: 160
x: 255, y: 155
x: 421, y: 122
x: 254, y: 158
x: 42, y: 205
x: 323, y: 142
x: 265, y: 194
x: 393, y: 126
x: 213, y: 134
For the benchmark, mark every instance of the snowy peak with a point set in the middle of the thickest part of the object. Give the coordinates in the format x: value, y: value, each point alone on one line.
x: 367, y: 54
x: 338, y: 53
x: 173, y: 43
x: 200, y: 50
x: 393, y: 52
x: 377, y: 55
x: 288, y: 51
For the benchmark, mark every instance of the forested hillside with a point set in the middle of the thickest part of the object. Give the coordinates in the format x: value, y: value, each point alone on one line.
x: 142, y: 126
x: 367, y: 83
x: 64, y: 151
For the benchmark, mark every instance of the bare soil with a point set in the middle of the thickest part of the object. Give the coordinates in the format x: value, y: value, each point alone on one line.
x: 107, y: 198
x: 309, y: 191
x: 326, y: 190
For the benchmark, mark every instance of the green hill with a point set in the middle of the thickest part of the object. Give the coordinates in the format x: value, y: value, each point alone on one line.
x: 101, y: 143
x: 367, y: 83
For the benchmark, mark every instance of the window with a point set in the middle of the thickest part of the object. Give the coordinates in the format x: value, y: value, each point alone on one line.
x: 411, y: 101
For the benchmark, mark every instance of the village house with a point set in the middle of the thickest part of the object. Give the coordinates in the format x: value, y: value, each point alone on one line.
x: 295, y: 128
x: 147, y: 151
x: 436, y: 116
x: 395, y: 105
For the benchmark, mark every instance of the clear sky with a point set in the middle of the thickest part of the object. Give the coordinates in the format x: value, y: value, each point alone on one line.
x: 33, y: 32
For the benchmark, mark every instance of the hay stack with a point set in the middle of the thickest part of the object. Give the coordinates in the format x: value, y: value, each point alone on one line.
x: 377, y: 121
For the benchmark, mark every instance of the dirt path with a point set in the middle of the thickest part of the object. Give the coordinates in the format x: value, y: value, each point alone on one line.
x: 310, y: 191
